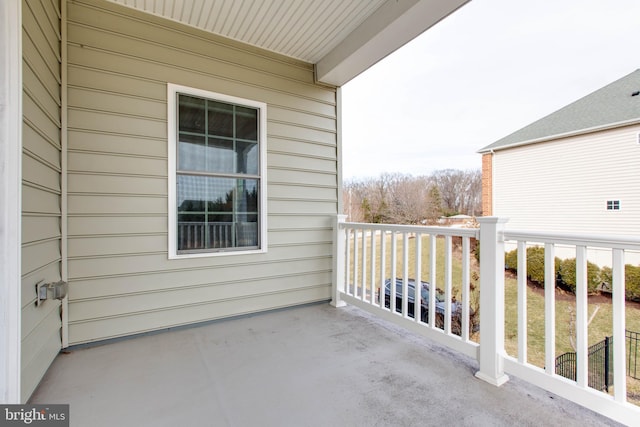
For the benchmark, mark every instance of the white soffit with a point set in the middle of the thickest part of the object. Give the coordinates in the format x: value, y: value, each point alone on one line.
x: 342, y: 37
x: 393, y: 25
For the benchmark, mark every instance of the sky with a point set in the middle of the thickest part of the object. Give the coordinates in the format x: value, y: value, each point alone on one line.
x: 487, y: 70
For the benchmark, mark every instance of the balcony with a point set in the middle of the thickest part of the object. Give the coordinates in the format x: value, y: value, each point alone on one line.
x: 312, y: 365
x: 374, y: 252
x: 367, y: 359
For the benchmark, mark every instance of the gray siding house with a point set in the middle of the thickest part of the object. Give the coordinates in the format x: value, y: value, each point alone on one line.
x: 174, y: 162
x: 575, y: 170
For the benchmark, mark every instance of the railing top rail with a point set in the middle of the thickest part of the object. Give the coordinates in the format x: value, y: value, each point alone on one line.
x: 421, y: 229
x: 591, y: 240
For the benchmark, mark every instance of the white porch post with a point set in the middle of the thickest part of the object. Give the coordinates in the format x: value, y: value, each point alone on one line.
x: 492, y: 301
x: 10, y: 197
x: 339, y: 241
x: 619, y: 328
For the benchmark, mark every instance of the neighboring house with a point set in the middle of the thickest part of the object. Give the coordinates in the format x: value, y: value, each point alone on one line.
x: 575, y: 170
x: 175, y: 163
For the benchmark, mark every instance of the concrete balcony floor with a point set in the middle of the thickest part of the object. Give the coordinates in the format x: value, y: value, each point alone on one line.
x: 307, y: 366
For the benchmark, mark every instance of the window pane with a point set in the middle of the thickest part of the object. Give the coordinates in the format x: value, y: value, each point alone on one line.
x: 220, y: 194
x: 191, y: 232
x: 221, y: 218
x: 220, y: 234
x: 191, y: 205
x: 191, y: 153
x: 210, y: 198
x: 191, y: 114
x: 220, y: 226
x: 220, y: 156
x: 220, y: 119
x: 247, y: 196
x: 247, y: 157
x: 247, y: 123
x: 203, y: 193
x: 191, y: 194
x: 247, y: 230
x: 246, y: 212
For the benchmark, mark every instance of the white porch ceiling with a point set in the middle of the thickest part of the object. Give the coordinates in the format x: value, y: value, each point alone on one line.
x: 302, y: 29
x: 342, y: 37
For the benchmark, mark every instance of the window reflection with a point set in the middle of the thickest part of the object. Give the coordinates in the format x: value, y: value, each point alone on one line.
x: 191, y: 114
x: 216, y: 212
x: 217, y: 204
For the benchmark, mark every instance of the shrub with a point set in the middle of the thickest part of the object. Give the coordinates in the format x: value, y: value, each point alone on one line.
x: 535, y: 263
x: 606, y: 274
x: 567, y: 276
x: 632, y: 282
x: 631, y: 279
x: 511, y: 260
x: 565, y: 271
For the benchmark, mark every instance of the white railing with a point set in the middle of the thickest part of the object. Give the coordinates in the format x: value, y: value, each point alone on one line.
x: 368, y: 255
x: 616, y: 406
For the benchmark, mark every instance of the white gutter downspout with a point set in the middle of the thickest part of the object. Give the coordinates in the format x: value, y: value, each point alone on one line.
x: 10, y: 199
x: 64, y: 233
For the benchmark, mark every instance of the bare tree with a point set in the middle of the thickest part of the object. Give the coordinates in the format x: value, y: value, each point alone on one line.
x: 404, y: 199
x: 410, y: 200
x: 368, y: 200
x: 461, y: 191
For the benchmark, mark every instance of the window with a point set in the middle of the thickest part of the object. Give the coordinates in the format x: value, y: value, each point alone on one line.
x: 613, y: 205
x: 216, y: 173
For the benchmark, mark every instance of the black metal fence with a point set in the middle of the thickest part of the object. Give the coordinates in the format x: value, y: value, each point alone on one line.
x: 633, y: 341
x: 601, y: 362
x: 600, y: 365
x: 566, y: 365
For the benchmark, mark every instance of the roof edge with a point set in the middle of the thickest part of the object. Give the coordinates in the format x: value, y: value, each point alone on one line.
x: 389, y: 28
x: 487, y: 149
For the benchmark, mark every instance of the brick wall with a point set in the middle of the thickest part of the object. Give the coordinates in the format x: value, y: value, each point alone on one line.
x: 487, y: 184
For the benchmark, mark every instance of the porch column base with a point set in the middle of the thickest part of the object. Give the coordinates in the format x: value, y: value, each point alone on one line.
x: 338, y: 304
x: 491, y: 380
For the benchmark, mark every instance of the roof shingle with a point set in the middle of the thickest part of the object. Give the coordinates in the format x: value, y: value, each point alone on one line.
x: 608, y: 106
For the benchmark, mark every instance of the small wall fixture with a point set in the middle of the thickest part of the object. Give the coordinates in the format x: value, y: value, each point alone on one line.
x: 54, y: 290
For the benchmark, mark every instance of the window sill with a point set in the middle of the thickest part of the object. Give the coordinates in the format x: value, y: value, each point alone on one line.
x: 217, y: 254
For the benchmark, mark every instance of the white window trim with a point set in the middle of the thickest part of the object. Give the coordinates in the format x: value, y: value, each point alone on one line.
x: 172, y: 91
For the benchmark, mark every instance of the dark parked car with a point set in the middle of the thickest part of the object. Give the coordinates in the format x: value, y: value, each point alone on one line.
x: 456, y: 307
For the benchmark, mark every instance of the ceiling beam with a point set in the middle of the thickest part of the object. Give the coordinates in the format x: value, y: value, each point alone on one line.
x: 393, y: 25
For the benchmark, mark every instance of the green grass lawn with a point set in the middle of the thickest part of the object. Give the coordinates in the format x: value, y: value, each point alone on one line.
x: 456, y: 267
x: 599, y: 328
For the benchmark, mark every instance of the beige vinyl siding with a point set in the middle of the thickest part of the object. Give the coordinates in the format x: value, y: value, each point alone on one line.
x: 564, y: 185
x: 41, y: 192
x: 121, y: 280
